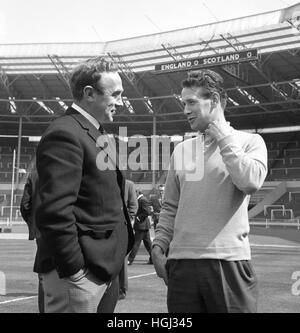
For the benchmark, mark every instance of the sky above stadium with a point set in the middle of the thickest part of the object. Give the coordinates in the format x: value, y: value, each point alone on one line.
x: 36, y: 21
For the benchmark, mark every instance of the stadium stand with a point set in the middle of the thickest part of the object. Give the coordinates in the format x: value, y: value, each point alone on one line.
x: 263, y: 97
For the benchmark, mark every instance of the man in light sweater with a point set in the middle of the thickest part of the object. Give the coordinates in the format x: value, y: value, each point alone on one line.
x: 203, y: 223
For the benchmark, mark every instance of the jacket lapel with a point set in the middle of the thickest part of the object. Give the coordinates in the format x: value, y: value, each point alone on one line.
x: 94, y: 133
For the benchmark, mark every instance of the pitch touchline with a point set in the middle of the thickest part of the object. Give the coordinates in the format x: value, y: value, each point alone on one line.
x: 17, y: 299
x: 26, y: 298
x: 138, y: 276
x: 276, y: 245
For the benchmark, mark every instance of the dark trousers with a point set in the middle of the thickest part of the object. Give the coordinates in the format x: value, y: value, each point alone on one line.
x: 123, y: 277
x: 41, y: 303
x: 140, y: 235
x: 211, y: 286
x: 110, y: 298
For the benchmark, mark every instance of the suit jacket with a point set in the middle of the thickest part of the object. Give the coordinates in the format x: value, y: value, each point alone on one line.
x: 142, y: 221
x: 130, y: 198
x: 29, y: 203
x: 82, y: 216
x: 156, y: 203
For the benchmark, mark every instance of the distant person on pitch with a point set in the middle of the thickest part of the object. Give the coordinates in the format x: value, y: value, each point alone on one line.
x: 141, y: 227
x: 156, y: 201
x: 29, y: 203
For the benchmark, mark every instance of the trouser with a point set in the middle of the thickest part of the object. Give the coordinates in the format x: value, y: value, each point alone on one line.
x: 140, y: 235
x: 41, y: 304
x: 123, y: 277
x: 211, y: 286
x: 110, y: 298
x: 67, y: 295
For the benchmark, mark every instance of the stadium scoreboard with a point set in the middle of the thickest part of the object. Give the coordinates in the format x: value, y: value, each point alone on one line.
x: 209, y: 61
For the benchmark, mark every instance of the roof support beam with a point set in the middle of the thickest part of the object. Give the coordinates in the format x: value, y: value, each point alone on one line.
x: 237, y: 46
x: 62, y: 70
x: 11, y: 92
x: 136, y: 83
x: 172, y: 52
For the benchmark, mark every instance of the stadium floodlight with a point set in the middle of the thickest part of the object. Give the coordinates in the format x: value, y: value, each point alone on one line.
x: 34, y: 138
x: 62, y: 103
x: 283, y: 94
x: 148, y: 104
x: 178, y: 97
x: 122, y: 138
x: 42, y: 104
x: 128, y: 104
x: 190, y: 133
x: 233, y: 101
x: 251, y: 98
x: 12, y: 105
x: 297, y: 82
x: 176, y: 138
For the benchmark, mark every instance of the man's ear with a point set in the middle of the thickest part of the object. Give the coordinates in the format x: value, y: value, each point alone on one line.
x: 88, y: 92
x: 215, y: 100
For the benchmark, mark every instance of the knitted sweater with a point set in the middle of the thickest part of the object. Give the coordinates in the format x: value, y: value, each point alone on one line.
x: 205, y: 212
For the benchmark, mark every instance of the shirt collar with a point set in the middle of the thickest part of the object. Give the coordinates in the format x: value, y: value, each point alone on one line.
x: 90, y: 118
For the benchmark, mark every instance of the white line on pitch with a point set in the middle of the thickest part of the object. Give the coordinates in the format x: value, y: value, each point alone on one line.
x: 25, y: 298
x: 276, y: 245
x: 17, y: 299
x: 138, y: 276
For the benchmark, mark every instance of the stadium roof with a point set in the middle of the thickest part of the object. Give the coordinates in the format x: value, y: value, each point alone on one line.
x: 264, y: 91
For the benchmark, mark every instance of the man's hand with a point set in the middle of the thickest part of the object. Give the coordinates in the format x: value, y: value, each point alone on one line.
x: 159, y: 261
x: 218, y: 129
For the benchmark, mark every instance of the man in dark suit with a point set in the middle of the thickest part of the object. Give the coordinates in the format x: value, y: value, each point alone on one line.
x: 141, y: 227
x: 156, y: 202
x: 84, y: 225
x: 29, y: 203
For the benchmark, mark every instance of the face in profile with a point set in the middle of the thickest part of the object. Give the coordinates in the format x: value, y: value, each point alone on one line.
x: 197, y: 108
x: 105, y: 105
x: 161, y: 190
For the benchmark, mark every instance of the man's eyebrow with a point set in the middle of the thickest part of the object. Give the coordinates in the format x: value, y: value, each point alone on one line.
x: 117, y: 92
x: 189, y: 100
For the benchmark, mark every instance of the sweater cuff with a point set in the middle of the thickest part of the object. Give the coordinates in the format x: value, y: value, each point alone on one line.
x: 161, y: 244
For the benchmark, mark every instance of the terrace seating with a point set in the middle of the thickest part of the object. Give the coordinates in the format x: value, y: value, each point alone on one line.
x: 295, y: 152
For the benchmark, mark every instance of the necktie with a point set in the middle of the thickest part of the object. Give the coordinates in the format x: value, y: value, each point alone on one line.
x: 101, y: 129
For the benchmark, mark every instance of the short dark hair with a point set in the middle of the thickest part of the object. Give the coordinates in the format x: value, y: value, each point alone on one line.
x: 209, y: 80
x: 88, y: 73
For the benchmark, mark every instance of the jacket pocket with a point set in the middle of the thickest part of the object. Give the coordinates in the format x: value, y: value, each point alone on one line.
x: 96, y: 231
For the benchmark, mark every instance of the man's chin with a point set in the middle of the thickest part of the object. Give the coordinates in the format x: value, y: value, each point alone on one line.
x: 194, y: 127
x: 109, y: 119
